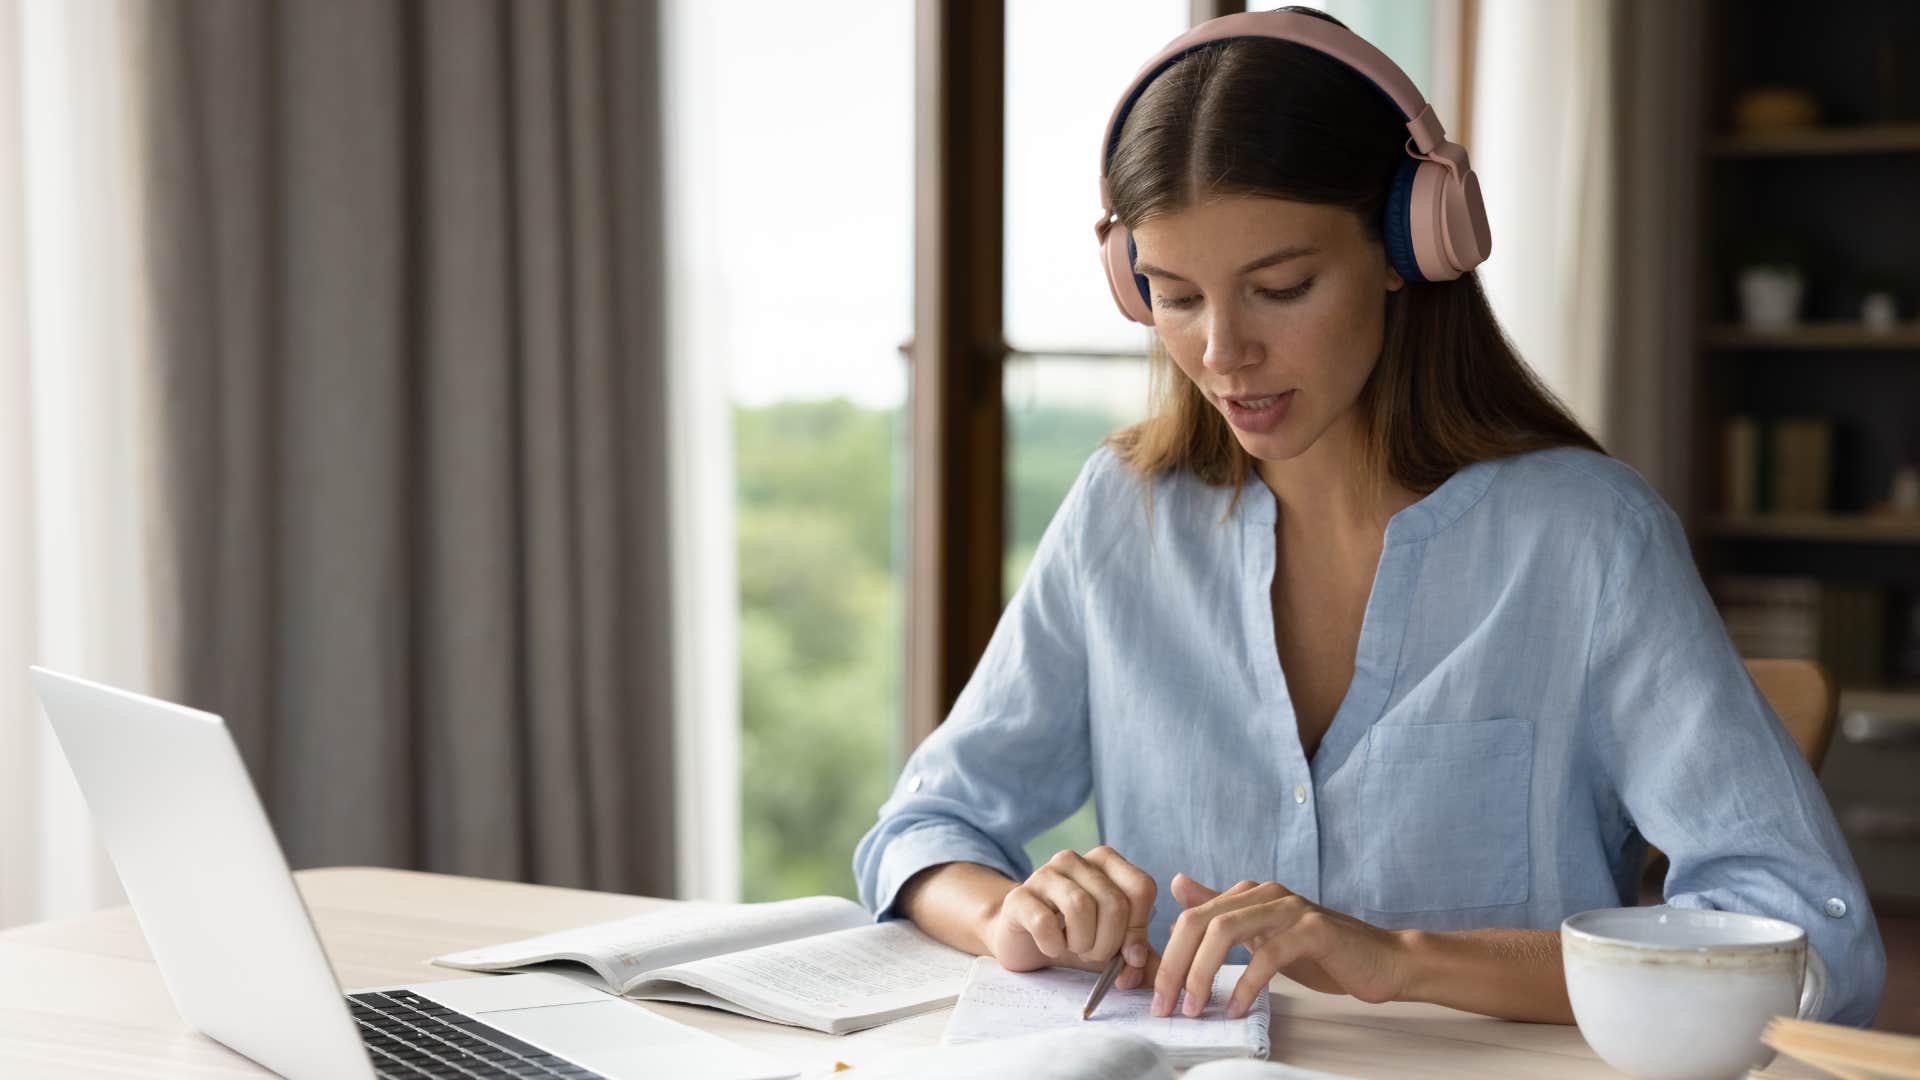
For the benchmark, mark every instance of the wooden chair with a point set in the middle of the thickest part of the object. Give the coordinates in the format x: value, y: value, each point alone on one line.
x: 1807, y: 700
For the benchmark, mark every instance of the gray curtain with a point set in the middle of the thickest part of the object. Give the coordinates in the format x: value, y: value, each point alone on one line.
x: 1658, y: 58
x: 406, y: 264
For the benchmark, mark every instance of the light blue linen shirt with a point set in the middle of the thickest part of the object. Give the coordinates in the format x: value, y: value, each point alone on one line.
x: 1542, y: 686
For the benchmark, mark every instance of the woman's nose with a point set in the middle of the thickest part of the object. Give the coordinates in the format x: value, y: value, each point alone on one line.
x: 1228, y: 347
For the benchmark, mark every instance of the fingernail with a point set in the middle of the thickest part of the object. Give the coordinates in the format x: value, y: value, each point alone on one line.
x: 1159, y: 1003
x: 1236, y: 1010
x: 1193, y: 1005
x: 1137, y: 953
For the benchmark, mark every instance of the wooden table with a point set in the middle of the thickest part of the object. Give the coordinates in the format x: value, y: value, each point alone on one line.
x: 81, y: 997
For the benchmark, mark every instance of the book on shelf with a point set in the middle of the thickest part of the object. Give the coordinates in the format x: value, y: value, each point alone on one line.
x: 1778, y: 466
x: 1802, y: 465
x: 1840, y: 624
x: 1743, y: 466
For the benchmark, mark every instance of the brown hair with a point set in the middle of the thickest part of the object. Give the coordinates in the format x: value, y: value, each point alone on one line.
x: 1263, y: 117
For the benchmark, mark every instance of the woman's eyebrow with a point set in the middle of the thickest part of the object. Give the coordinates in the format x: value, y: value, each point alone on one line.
x: 1263, y: 261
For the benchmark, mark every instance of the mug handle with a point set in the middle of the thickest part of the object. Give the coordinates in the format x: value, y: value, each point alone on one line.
x: 1813, y: 989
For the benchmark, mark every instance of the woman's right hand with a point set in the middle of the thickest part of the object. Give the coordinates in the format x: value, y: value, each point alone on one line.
x: 1077, y: 911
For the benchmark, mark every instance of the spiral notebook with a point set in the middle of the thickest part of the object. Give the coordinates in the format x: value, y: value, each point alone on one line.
x: 996, y: 1003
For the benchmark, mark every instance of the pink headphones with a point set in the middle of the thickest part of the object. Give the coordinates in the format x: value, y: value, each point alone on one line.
x: 1435, y: 227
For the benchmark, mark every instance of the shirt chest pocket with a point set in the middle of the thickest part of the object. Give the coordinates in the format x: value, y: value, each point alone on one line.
x: 1444, y: 815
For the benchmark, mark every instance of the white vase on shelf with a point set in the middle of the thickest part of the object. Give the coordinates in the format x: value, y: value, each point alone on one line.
x: 1770, y: 297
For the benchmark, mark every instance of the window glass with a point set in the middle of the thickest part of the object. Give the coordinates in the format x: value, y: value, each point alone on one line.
x: 1059, y: 410
x: 799, y: 284
x: 1403, y: 29
x: 1066, y: 64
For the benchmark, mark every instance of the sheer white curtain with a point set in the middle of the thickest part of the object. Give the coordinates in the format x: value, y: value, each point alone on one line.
x: 706, y: 597
x: 74, y: 551
x: 1542, y: 147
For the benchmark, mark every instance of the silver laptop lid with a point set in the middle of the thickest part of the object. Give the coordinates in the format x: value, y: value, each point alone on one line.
x: 206, y: 877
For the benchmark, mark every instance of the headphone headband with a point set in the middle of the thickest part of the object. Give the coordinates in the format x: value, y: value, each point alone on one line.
x: 1436, y: 224
x: 1317, y: 34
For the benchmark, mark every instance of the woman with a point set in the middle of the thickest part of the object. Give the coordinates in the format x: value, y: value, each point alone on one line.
x: 1360, y: 618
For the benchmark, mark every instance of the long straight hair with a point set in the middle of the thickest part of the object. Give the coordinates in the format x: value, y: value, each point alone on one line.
x: 1269, y: 118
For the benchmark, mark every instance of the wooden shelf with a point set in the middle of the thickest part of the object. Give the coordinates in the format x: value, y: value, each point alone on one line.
x: 1820, y: 141
x: 1822, y: 528
x: 1881, y: 699
x: 1813, y: 335
x: 1879, y: 716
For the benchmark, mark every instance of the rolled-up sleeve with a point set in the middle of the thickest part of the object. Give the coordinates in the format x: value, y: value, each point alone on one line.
x: 1706, y: 772
x: 1011, y: 759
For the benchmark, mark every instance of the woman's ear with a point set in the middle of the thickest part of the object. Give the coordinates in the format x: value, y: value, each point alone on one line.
x: 1394, y: 280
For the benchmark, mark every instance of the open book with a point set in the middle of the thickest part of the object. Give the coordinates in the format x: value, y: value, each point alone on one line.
x: 819, y: 962
x: 1068, y: 1054
x: 997, y: 1003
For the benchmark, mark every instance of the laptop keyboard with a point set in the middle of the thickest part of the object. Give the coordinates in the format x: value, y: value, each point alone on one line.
x: 409, y: 1037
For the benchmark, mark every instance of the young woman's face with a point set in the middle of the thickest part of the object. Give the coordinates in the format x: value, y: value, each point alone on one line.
x: 1275, y: 309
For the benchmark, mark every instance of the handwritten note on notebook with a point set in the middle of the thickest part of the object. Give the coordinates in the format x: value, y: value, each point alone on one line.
x: 996, y: 1003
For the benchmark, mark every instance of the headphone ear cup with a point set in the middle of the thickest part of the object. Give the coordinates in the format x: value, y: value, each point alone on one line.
x: 1469, y: 239
x: 1129, y: 289
x: 1397, y: 226
x: 1445, y: 223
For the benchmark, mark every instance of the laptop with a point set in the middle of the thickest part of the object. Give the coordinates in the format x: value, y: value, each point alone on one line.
x: 237, y: 948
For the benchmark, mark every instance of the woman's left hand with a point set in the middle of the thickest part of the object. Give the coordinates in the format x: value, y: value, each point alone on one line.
x: 1287, y: 934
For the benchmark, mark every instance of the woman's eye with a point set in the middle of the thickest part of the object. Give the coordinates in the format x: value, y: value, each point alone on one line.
x: 1294, y: 293
x: 1283, y: 295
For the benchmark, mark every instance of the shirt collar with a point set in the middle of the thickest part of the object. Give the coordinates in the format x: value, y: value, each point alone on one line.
x: 1433, y: 512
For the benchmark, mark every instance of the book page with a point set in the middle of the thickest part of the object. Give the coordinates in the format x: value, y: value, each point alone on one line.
x: 873, y: 972
x: 624, y: 950
x: 997, y: 1003
x: 1049, y: 1055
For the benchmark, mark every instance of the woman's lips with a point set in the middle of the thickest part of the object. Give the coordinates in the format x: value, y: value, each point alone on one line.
x: 1258, y: 415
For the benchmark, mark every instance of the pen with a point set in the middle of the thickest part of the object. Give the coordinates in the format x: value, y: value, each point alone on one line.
x: 1100, y: 988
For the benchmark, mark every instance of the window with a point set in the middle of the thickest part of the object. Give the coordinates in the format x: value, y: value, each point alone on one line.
x: 795, y: 287
x: 1059, y: 410
x: 1063, y: 72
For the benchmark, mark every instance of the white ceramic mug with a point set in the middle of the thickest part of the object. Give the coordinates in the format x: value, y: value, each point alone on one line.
x: 1670, y: 993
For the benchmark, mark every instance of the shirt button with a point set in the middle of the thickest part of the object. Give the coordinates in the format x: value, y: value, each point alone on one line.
x: 1299, y: 793
x: 913, y: 784
x: 1836, y: 907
